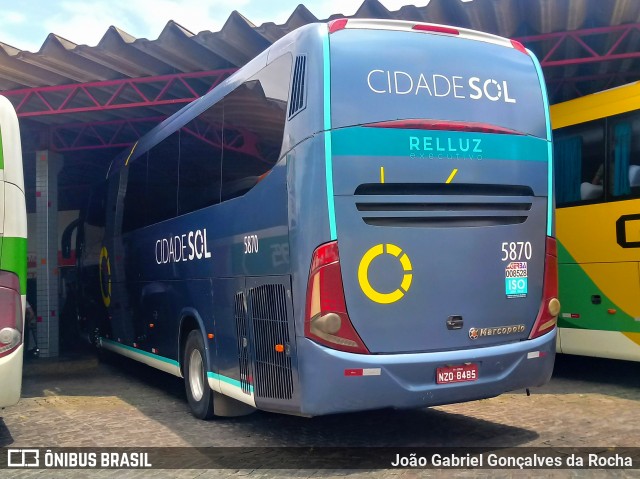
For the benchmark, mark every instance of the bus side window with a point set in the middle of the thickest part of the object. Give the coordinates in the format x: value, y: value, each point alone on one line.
x: 162, y: 180
x: 200, y: 156
x: 135, y: 200
x: 580, y: 171
x: 254, y: 122
x: 624, y: 155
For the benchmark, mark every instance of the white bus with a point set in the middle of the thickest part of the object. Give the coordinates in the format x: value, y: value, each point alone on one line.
x: 13, y: 256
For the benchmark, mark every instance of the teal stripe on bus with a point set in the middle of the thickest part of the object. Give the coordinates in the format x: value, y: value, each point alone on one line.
x: 14, y: 258
x: 543, y: 87
x: 141, y: 352
x: 225, y: 379
x: 437, y: 144
x: 327, y: 136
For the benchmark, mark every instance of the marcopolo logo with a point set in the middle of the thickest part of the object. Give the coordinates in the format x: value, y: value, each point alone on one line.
x: 185, y: 247
x: 475, y: 333
x: 436, y: 85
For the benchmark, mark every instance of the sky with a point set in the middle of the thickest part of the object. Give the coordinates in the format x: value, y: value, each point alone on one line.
x: 25, y: 24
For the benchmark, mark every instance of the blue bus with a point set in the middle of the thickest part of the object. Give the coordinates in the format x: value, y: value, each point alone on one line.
x: 359, y: 218
x: 13, y: 256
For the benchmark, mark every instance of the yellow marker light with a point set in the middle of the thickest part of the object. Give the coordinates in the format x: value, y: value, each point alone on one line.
x: 382, y: 174
x: 105, y: 289
x: 554, y: 307
x: 131, y: 153
x: 549, y: 324
x: 279, y: 348
x: 453, y: 173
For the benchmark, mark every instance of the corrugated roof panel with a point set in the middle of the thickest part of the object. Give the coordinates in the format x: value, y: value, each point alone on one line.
x: 15, y: 73
x: 57, y: 55
x: 372, y: 9
x: 115, y: 50
x: 237, y: 42
x: 176, y: 49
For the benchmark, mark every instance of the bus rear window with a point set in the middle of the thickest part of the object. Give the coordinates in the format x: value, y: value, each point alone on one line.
x: 380, y: 75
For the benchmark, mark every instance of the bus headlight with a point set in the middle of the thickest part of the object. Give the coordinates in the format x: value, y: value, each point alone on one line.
x: 9, y: 339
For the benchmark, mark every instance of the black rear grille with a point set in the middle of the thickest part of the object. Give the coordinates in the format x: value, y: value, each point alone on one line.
x: 480, y: 206
x: 442, y: 189
x: 459, y: 221
x: 268, y: 313
x: 438, y: 205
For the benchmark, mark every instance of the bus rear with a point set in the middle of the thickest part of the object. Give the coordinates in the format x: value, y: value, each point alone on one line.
x: 13, y: 256
x: 437, y: 279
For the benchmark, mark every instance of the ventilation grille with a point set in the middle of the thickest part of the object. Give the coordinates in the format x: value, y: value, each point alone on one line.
x: 298, y: 90
x: 443, y: 205
x: 240, y: 313
x: 268, y: 313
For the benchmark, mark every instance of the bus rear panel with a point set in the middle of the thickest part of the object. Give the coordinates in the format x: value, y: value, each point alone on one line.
x: 429, y: 286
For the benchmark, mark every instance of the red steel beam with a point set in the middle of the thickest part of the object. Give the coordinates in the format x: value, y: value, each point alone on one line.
x: 99, y: 134
x: 123, y: 133
x: 112, y: 94
x: 585, y: 53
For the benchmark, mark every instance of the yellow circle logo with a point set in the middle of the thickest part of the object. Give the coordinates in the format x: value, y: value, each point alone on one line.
x: 363, y: 273
x: 105, y: 276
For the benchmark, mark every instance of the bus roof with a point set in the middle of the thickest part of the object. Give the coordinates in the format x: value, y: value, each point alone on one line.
x: 597, y: 105
x: 418, y: 27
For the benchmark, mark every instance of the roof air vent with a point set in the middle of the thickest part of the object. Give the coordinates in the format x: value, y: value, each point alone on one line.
x: 298, y: 90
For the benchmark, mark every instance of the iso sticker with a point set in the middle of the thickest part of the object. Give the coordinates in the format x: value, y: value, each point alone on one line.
x: 516, y: 279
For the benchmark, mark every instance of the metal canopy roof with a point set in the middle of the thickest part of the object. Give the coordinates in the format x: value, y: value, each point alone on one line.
x: 88, y: 102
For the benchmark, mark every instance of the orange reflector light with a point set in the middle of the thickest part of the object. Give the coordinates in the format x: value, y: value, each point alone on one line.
x: 152, y: 325
x: 210, y: 336
x: 279, y: 348
x: 612, y: 311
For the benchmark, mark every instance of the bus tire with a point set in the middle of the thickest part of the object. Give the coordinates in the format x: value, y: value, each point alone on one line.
x: 199, y: 394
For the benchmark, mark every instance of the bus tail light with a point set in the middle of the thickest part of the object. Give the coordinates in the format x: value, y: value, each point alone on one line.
x: 339, y: 24
x: 519, y: 46
x: 431, y: 28
x: 550, y: 307
x: 10, y: 313
x: 326, y: 318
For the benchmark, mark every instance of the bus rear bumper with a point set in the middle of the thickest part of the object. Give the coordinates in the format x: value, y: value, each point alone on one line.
x: 333, y: 381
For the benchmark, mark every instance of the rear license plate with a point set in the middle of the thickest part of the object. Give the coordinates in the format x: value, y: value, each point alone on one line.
x: 457, y: 374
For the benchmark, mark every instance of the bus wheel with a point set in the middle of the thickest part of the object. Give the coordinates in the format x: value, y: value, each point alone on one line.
x: 199, y: 394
